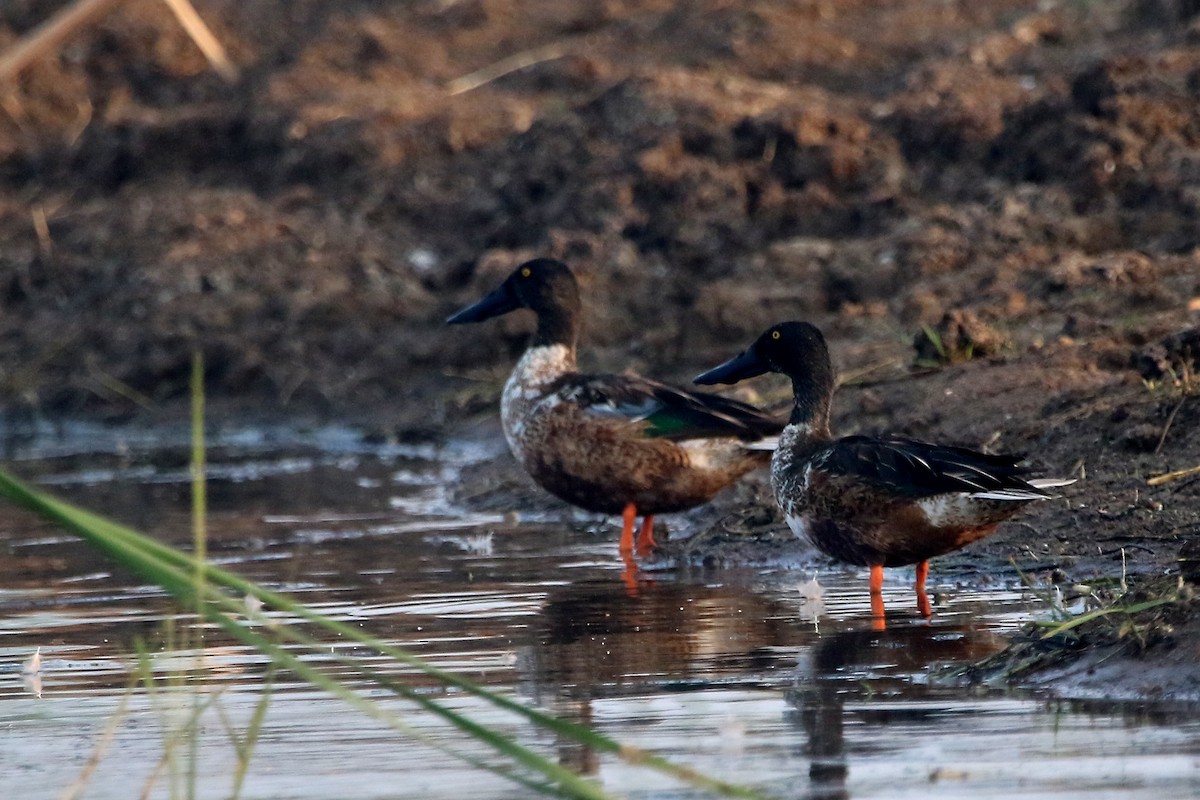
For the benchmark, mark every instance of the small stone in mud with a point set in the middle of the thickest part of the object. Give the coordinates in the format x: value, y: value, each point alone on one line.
x: 960, y: 336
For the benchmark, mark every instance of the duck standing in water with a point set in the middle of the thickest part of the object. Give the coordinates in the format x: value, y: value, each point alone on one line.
x: 614, y: 444
x: 874, y: 501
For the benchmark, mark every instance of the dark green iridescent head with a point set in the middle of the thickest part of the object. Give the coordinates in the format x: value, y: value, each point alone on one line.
x: 544, y: 286
x: 795, y: 349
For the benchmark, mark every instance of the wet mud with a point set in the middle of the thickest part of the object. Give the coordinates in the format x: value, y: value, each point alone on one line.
x: 990, y: 209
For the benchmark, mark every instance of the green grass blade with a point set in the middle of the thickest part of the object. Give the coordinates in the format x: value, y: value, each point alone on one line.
x: 247, y: 743
x: 178, y: 581
x: 220, y: 609
x: 571, y: 785
x: 174, y: 571
x: 99, y: 748
x: 936, y: 340
x: 72, y: 517
x: 1062, y: 627
x: 199, y: 486
x: 199, y: 533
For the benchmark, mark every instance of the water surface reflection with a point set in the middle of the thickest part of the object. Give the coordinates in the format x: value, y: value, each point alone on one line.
x: 725, y: 670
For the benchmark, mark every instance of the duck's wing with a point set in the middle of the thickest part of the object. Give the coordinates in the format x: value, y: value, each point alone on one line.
x: 667, y: 411
x: 918, y: 469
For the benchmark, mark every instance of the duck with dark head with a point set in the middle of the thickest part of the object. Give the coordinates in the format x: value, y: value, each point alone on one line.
x: 614, y: 444
x: 874, y: 501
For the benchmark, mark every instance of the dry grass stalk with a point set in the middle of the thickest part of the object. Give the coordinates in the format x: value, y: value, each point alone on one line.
x: 504, y: 66
x: 50, y: 34
x: 185, y: 12
x: 1173, y: 476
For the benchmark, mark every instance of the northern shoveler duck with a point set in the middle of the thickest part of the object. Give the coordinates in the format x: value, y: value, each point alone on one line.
x: 614, y: 444
x: 874, y: 501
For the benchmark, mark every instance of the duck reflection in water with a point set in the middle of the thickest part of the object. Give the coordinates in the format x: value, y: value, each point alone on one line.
x: 592, y: 642
x: 845, y: 668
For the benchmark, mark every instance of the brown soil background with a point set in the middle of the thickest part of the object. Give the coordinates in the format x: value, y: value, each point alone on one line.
x: 1023, y: 177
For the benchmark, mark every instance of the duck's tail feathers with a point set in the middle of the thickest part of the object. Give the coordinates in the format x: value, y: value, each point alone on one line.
x: 1036, y: 491
x: 767, y: 443
x: 1050, y: 483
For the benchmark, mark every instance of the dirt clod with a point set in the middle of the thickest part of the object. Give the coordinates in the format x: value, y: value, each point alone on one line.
x: 1176, y: 358
x: 960, y: 336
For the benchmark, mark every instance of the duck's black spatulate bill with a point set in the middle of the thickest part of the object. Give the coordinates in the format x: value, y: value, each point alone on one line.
x: 500, y: 301
x: 745, y: 365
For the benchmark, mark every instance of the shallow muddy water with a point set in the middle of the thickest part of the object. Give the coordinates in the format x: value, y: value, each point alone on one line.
x: 746, y: 674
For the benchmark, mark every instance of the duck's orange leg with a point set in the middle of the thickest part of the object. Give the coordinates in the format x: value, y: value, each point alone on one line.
x: 877, y: 579
x: 629, y: 573
x: 645, y: 542
x: 877, y: 611
x: 629, y: 517
x: 923, y: 607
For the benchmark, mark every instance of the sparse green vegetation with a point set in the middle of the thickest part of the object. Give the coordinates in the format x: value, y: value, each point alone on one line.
x: 222, y: 599
x: 218, y: 596
x: 1121, y: 620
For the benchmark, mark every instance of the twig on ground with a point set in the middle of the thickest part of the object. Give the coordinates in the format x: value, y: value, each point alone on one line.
x: 1158, y: 480
x: 185, y: 12
x: 50, y: 34
x: 1170, y: 419
x: 42, y: 227
x: 504, y: 66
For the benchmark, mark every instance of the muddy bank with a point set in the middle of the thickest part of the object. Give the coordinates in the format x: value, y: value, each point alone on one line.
x: 1137, y: 643
x: 1017, y: 177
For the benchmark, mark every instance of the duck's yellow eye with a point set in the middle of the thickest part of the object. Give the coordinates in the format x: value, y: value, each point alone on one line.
x: 526, y: 272
x: 774, y: 334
